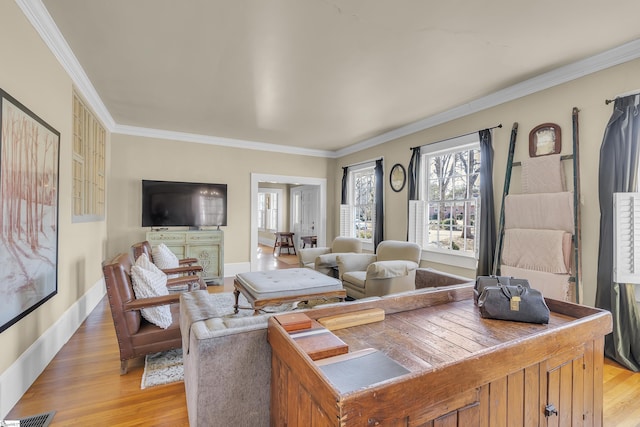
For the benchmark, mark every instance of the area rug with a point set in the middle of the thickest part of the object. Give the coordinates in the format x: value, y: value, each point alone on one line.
x: 161, y: 368
x: 288, y: 259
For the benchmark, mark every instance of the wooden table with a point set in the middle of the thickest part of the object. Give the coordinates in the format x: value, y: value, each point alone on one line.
x: 312, y: 241
x: 462, y: 369
x: 284, y: 240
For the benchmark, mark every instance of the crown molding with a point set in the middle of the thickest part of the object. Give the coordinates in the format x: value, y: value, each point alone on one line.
x: 215, y: 140
x: 618, y: 55
x: 39, y: 17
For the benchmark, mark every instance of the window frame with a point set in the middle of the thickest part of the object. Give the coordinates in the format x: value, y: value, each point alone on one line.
x: 88, y: 160
x: 279, y: 214
x: 368, y: 167
x: 458, y: 258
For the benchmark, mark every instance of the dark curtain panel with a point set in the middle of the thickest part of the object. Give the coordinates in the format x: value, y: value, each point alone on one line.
x: 618, y: 173
x: 378, y: 233
x: 414, y: 173
x: 487, y: 242
x: 345, y: 181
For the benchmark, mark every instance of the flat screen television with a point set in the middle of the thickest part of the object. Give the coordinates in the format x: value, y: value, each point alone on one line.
x: 180, y: 204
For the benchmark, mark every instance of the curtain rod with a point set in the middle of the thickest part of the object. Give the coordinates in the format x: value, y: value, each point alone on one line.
x: 460, y: 136
x: 622, y: 95
x: 362, y: 163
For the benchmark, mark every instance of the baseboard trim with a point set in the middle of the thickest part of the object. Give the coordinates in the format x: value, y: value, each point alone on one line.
x: 16, y: 380
x: 230, y: 270
x: 266, y: 242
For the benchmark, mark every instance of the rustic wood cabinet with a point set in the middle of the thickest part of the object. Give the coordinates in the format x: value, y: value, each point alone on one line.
x: 207, y: 246
x: 462, y: 370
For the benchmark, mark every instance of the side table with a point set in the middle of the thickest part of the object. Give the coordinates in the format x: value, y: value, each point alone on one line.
x: 284, y: 240
x: 312, y: 241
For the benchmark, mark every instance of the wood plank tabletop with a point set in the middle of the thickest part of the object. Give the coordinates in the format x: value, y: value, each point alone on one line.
x: 430, y: 337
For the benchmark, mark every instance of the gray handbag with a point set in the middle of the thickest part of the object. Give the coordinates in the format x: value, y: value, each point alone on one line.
x: 484, y: 281
x: 513, y: 302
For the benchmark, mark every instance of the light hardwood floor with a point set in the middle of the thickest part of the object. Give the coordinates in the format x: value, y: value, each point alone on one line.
x: 82, y: 383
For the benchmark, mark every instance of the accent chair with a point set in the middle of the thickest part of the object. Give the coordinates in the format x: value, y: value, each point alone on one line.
x: 390, y: 270
x: 136, y: 335
x: 324, y: 259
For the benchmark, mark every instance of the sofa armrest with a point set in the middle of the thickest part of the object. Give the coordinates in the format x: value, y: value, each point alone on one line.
x: 390, y: 269
x: 354, y: 262
x: 309, y: 255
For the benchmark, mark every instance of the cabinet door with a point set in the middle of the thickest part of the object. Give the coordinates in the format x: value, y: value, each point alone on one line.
x: 208, y: 257
x: 174, y: 241
x: 565, y: 391
x: 207, y: 247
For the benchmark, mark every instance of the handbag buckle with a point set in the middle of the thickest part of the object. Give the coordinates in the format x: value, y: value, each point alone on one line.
x: 515, y: 303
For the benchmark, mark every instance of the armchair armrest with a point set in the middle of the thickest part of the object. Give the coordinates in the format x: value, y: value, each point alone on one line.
x: 354, y: 262
x: 186, y: 280
x: 140, y: 303
x: 187, y: 261
x: 390, y: 269
x: 326, y: 261
x: 309, y: 255
x: 188, y: 269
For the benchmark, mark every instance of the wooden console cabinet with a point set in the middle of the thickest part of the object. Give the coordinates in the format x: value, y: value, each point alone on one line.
x: 460, y: 369
x: 207, y: 246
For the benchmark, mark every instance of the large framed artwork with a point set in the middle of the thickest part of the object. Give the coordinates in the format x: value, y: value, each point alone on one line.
x: 29, y: 162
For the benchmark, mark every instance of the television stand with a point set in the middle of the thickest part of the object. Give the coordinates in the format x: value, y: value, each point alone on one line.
x: 207, y: 246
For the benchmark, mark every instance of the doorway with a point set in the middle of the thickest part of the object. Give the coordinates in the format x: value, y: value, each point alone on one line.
x: 319, y: 186
x: 305, y: 212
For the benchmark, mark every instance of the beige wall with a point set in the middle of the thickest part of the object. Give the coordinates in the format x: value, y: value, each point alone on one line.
x: 552, y: 105
x: 136, y: 158
x: 32, y: 75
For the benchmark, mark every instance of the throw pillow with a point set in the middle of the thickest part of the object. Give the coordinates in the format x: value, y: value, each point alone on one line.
x: 164, y: 258
x: 151, y: 283
x: 143, y: 261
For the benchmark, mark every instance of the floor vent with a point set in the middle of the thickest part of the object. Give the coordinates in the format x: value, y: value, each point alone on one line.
x: 41, y: 420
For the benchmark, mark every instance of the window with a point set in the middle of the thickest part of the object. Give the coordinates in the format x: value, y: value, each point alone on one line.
x: 268, y: 209
x: 88, y: 164
x: 358, y: 218
x: 444, y: 219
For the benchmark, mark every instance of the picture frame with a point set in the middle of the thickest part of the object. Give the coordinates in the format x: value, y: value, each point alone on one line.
x: 545, y: 139
x: 397, y: 177
x: 29, y: 176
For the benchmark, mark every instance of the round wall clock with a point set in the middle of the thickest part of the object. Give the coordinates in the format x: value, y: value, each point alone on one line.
x: 397, y: 177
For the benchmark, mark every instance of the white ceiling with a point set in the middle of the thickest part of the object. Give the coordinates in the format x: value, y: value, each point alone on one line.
x: 327, y: 74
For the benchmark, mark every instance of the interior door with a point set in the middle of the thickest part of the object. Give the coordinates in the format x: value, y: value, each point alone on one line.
x: 305, y: 211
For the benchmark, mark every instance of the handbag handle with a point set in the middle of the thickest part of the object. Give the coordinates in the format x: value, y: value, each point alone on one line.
x: 508, y: 290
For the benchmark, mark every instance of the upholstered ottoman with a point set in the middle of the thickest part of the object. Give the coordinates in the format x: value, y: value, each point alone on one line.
x: 263, y: 288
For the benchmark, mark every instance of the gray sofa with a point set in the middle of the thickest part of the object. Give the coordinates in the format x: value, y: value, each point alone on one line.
x: 227, y: 359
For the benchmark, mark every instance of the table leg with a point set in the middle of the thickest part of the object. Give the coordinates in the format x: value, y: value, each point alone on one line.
x: 236, y: 293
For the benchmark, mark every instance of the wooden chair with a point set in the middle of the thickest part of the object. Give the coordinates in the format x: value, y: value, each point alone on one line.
x: 185, y: 265
x: 136, y: 336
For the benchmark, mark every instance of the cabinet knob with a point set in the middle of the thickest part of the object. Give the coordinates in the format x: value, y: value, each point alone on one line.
x: 550, y: 410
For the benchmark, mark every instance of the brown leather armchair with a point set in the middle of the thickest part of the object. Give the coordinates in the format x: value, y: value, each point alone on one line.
x: 185, y: 265
x: 136, y: 336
